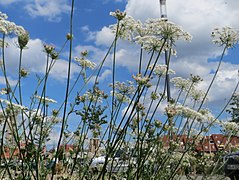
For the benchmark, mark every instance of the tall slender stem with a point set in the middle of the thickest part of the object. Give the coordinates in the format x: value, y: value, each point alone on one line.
x: 67, y: 90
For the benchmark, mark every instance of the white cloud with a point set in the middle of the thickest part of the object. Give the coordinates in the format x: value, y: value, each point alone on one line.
x: 34, y: 60
x: 52, y: 10
x: 11, y: 81
x: 60, y: 70
x: 90, y: 35
x: 102, y: 77
x: 104, y: 37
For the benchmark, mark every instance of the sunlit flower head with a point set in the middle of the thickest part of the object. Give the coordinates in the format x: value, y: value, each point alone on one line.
x: 203, y: 116
x: 3, y: 16
x: 161, y: 70
x: 142, y: 80
x: 128, y: 29
x: 124, y: 88
x: 180, y: 82
x: 230, y: 128
x: 167, y: 30
x: 13, y: 105
x: 118, y: 14
x: 85, y: 63
x: 197, y: 94
x: 8, y: 27
x: 225, y: 36
x: 46, y: 99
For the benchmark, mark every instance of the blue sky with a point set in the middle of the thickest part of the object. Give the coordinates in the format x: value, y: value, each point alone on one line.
x: 48, y: 22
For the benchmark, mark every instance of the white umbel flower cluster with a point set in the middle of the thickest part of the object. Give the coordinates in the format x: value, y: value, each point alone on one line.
x: 161, y: 70
x: 13, y: 105
x: 8, y: 27
x: 154, y: 34
x: 225, y: 36
x: 203, y: 116
x: 46, y: 99
x: 85, y: 63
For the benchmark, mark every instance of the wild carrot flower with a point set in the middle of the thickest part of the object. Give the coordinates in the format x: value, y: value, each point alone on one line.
x: 3, y: 16
x: 128, y: 29
x: 196, y: 94
x: 203, y: 116
x: 142, y: 81
x: 230, y: 128
x: 118, y: 14
x: 158, y: 123
x: 8, y: 27
x: 10, y: 104
x: 85, y: 63
x: 167, y: 30
x: 158, y: 32
x: 154, y: 96
x: 140, y: 107
x: 123, y: 88
x: 225, y: 36
x: 46, y: 99
x: 94, y: 96
x: 152, y: 43
x: 171, y: 111
x: 161, y: 70
x: 180, y: 82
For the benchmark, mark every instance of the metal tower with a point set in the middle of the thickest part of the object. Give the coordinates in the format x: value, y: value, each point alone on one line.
x: 163, y: 12
x: 163, y: 9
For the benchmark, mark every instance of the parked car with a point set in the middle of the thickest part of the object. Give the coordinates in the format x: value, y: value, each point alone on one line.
x: 231, y: 166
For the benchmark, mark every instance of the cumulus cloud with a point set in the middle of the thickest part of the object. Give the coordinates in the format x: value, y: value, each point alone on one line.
x: 104, y: 37
x: 11, y: 81
x: 34, y: 60
x: 52, y: 10
x: 103, y: 77
x: 199, y: 18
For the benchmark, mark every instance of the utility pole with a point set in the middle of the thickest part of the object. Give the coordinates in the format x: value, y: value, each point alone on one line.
x: 163, y: 12
x: 163, y: 9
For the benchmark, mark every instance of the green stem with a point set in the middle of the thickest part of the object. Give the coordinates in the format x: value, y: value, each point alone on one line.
x: 67, y: 90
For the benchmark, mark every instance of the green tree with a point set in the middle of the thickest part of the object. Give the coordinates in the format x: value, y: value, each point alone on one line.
x: 234, y: 109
